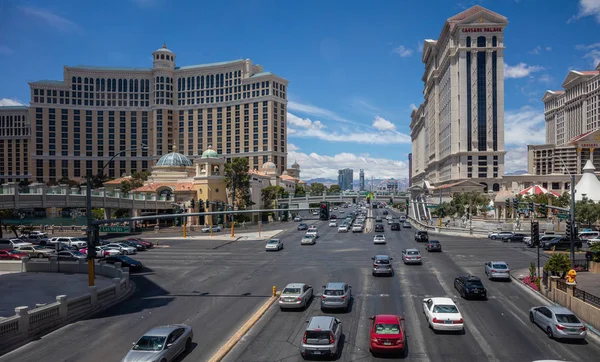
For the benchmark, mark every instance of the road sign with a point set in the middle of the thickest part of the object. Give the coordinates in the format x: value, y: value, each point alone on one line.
x: 563, y: 216
x: 115, y: 229
x: 432, y: 206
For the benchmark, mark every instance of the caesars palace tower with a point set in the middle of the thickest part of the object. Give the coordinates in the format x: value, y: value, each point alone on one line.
x: 458, y: 131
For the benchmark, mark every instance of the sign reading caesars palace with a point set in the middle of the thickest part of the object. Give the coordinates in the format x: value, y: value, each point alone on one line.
x: 482, y: 30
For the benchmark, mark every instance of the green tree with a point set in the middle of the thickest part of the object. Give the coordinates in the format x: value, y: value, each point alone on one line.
x: 587, y: 212
x: 558, y: 264
x: 67, y: 181
x: 469, y: 202
x: 300, y: 191
x: 98, y: 180
x: 98, y: 214
x: 4, y: 214
x: 317, y: 188
x: 335, y: 189
x: 563, y: 200
x: 241, y: 181
x: 120, y: 213
x: 269, y: 194
x: 137, y: 180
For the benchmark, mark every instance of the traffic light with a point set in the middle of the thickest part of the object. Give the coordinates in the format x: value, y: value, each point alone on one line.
x: 406, y: 206
x: 515, y: 204
x: 192, y: 204
x: 507, y: 204
x: 543, y: 210
x: 200, y: 205
x: 324, y: 211
x: 535, y: 234
x: 531, y: 207
x: 568, y: 229
x: 208, y: 205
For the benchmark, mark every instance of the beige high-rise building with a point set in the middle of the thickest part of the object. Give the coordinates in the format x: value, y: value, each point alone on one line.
x: 458, y: 131
x: 15, y: 141
x: 79, y: 123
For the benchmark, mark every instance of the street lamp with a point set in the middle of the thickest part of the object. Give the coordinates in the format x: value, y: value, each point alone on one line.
x: 88, y: 202
x: 572, y: 208
x: 233, y: 178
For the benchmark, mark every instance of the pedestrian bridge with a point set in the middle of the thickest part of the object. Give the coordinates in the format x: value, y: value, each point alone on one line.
x: 41, y: 196
x: 304, y: 201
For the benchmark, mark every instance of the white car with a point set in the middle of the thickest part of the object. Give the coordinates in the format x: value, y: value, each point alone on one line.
x: 274, y: 244
x: 36, y: 251
x: 312, y: 232
x: 214, y: 229
x: 76, y: 242
x: 297, y: 219
x: 389, y: 217
x: 123, y: 248
x: 333, y: 223
x: 295, y: 295
x: 379, y: 239
x: 442, y: 314
x: 343, y: 228
x: 315, y: 213
x: 308, y: 240
x: 357, y: 228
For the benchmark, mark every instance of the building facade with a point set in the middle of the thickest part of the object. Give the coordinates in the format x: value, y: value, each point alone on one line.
x: 346, y: 179
x: 410, y: 166
x: 458, y: 131
x: 80, y: 122
x: 361, y: 180
x: 15, y: 143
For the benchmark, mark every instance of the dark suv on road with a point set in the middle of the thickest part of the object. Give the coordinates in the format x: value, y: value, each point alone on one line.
x: 470, y: 286
x: 514, y: 238
x: 395, y: 226
x: 561, y: 243
x: 421, y: 236
x: 379, y: 228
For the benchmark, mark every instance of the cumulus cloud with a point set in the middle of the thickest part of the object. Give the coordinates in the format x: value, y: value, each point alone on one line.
x: 588, y: 8
x: 520, y: 70
x: 524, y: 127
x: 515, y: 159
x: 592, y: 52
x: 538, y: 49
x: 318, y: 112
x: 8, y: 102
x: 314, y: 165
x: 383, y: 124
x: 402, y: 51
x: 304, y: 122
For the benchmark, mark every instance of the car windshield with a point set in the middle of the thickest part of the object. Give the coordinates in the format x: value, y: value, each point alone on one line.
x: 123, y: 245
x: 125, y: 258
x: 445, y: 309
x: 413, y: 252
x: 334, y: 292
x: 476, y: 284
x: 567, y: 318
x: 379, y: 236
x: 387, y: 329
x: 273, y: 241
x: 291, y: 291
x: 500, y: 266
x: 150, y: 343
x: 382, y: 261
x: 39, y: 247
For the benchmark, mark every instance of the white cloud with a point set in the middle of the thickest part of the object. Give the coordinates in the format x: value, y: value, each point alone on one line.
x: 520, y: 70
x: 292, y: 147
x: 524, y: 127
x: 314, y: 165
x: 538, y: 49
x: 413, y: 107
x: 592, y: 52
x: 305, y: 128
x: 548, y: 49
x: 515, y: 159
x: 318, y: 112
x: 383, y: 124
x: 6, y: 50
x: 420, y: 47
x: 8, y: 102
x: 51, y: 19
x: 545, y: 78
x: 587, y: 8
x: 402, y: 51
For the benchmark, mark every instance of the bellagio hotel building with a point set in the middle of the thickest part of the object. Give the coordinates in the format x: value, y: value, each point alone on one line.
x: 79, y: 123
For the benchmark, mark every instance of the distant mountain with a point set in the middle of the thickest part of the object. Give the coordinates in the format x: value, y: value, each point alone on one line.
x: 516, y: 173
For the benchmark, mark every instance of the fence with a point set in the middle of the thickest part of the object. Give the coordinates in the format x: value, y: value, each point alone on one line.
x: 586, y: 297
x: 562, y: 286
x: 27, y: 324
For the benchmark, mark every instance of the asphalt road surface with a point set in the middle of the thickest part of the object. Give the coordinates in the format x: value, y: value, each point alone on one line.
x: 215, y: 286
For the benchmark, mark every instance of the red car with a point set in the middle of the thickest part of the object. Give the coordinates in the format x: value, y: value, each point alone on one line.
x: 387, y: 334
x: 146, y: 243
x: 12, y: 255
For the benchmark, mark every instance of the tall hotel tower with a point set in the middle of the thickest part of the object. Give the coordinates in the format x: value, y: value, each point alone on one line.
x: 458, y: 131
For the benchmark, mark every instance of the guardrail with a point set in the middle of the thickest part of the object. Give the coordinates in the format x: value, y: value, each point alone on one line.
x: 586, y: 297
x: 28, y: 324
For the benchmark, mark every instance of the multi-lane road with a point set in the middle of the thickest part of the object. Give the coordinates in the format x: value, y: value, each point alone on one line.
x: 215, y: 287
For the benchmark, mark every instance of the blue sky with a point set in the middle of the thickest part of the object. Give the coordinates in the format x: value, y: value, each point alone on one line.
x: 354, y: 67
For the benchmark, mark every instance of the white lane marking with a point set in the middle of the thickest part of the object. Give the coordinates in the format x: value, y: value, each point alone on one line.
x: 363, y: 326
x: 486, y: 348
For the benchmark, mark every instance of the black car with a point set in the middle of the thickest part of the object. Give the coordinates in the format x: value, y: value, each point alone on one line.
x: 385, y: 212
x: 470, y: 287
x: 379, y: 228
x: 302, y: 226
x: 125, y: 261
x: 514, y: 238
x: 560, y: 243
x: 395, y: 226
x: 434, y: 245
x: 136, y: 244
x: 421, y: 236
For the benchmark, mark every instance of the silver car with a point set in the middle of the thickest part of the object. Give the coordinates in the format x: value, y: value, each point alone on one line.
x: 162, y: 343
x: 382, y: 264
x: 497, y: 270
x: 274, y: 244
x: 558, y: 322
x: 321, y: 337
x: 411, y: 256
x: 308, y: 240
x: 295, y: 295
x: 336, y: 296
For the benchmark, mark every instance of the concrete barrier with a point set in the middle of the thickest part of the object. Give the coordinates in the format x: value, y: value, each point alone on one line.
x: 29, y: 324
x: 11, y: 266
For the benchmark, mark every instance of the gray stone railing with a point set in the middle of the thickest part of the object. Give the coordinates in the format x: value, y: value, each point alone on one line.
x: 28, y: 324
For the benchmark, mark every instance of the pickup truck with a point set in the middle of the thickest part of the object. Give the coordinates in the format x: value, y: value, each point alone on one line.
x: 76, y: 242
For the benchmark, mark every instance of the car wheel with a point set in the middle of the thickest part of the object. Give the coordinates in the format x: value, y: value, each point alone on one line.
x: 493, y: 237
x: 531, y: 317
x: 40, y: 256
x: 549, y: 333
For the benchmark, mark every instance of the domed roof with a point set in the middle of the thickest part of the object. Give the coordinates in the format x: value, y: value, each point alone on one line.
x: 174, y: 159
x: 210, y: 153
x: 295, y: 165
x: 163, y: 49
x: 269, y: 165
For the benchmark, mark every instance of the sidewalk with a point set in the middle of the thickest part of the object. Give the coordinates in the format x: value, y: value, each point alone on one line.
x: 28, y: 289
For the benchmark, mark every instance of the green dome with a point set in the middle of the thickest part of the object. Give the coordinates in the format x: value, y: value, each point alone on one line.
x: 210, y: 153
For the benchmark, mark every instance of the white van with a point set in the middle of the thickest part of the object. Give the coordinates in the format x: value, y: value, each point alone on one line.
x: 586, y: 235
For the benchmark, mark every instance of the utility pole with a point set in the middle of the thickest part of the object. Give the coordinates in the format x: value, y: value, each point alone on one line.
x: 572, y: 218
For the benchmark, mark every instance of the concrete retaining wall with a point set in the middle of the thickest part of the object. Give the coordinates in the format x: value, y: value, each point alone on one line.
x: 586, y: 311
x: 11, y: 266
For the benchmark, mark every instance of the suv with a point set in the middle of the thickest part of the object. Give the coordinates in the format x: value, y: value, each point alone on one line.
x: 321, y: 337
x: 379, y: 228
x: 561, y: 243
x: 336, y: 296
x: 76, y: 242
x: 470, y: 286
x: 378, y: 219
x: 395, y: 226
x: 421, y: 236
x: 382, y: 264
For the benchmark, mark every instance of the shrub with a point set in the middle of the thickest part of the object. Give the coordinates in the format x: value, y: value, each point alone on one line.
x: 558, y: 265
x: 532, y: 270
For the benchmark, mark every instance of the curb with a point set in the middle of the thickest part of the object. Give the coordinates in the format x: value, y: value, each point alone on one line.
x: 595, y: 334
x: 228, y: 346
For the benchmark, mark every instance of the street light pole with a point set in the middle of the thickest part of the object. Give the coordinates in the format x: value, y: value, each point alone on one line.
x: 233, y: 178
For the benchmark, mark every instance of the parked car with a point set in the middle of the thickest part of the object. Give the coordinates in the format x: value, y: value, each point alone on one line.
x: 558, y: 322
x: 516, y: 237
x: 433, y: 245
x: 71, y: 255
x: 295, y: 295
x: 12, y: 255
x: 34, y: 239
x: 76, y: 242
x: 302, y: 226
x: 132, y: 264
x: 9, y: 244
x: 421, y: 236
x: 470, y: 287
x: 139, y: 246
x: 321, y: 337
x: 382, y: 264
x: 123, y: 248
x: 36, y: 251
x: 274, y: 244
x: 442, y: 314
x: 387, y: 334
x: 336, y: 296
x: 497, y: 270
x: 411, y: 256
x: 215, y: 229
x: 164, y: 343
